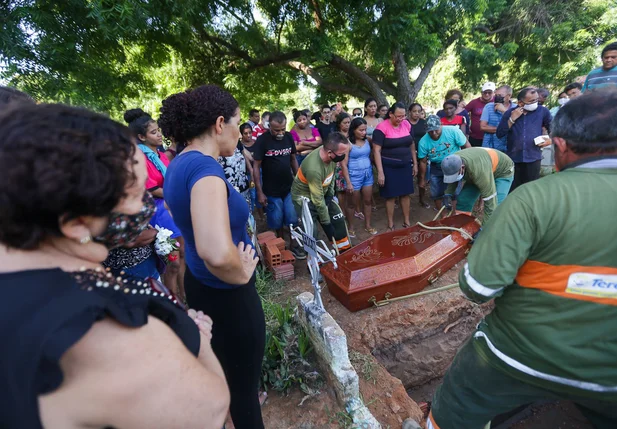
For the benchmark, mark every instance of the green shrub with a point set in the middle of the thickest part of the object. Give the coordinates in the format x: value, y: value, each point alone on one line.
x: 287, y: 360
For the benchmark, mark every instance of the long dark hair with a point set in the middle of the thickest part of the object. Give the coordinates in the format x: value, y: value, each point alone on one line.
x: 353, y: 127
x: 340, y: 118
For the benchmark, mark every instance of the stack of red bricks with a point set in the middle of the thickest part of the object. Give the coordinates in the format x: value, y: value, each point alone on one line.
x: 278, y: 259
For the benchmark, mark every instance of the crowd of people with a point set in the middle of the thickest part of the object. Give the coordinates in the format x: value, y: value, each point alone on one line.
x: 134, y: 262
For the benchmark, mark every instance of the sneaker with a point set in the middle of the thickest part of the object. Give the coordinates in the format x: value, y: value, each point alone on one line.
x: 298, y: 252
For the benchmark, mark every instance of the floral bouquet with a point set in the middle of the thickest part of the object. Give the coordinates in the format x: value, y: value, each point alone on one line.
x: 165, y: 246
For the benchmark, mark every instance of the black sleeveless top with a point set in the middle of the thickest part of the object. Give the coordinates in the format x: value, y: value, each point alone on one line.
x: 45, y: 312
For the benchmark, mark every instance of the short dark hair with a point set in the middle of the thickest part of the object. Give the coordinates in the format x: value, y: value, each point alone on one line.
x: 451, y: 103
x: 412, y: 105
x: 357, y: 108
x: 353, y: 126
x: 245, y: 126
x: 340, y: 118
x: 191, y: 113
x: 609, y: 47
x: 562, y: 93
x: 543, y: 92
x: 264, y: 114
x: 397, y: 105
x: 9, y: 95
x: 452, y: 92
x: 381, y: 106
x: 588, y: 123
x: 138, y: 121
x: 571, y: 86
x: 278, y: 117
x: 252, y: 112
x: 333, y: 140
x: 69, y: 162
x: 523, y: 92
x: 325, y: 106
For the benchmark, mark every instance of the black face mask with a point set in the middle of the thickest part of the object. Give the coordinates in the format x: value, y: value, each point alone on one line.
x: 338, y: 158
x: 125, y: 228
x: 499, y: 99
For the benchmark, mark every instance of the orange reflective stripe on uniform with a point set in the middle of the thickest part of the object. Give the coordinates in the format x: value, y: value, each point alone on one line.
x: 586, y: 283
x: 430, y: 423
x: 343, y: 244
x: 301, y: 176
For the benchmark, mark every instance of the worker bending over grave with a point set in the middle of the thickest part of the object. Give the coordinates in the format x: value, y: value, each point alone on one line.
x: 315, y: 181
x: 487, y: 173
x: 547, y: 258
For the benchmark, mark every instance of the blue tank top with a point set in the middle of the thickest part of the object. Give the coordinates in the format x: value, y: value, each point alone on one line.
x: 182, y: 174
x: 359, y: 157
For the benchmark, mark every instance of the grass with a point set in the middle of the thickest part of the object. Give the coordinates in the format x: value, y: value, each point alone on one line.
x: 364, y: 364
x: 288, y: 354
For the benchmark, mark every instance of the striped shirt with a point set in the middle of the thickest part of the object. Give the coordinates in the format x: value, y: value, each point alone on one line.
x: 600, y: 78
x: 493, y: 117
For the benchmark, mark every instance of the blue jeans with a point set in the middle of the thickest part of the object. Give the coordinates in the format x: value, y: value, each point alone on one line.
x: 470, y: 193
x: 280, y: 212
x: 438, y: 187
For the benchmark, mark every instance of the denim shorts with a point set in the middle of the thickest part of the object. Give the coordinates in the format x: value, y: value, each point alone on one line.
x: 361, y: 178
x: 280, y: 212
x: 438, y: 187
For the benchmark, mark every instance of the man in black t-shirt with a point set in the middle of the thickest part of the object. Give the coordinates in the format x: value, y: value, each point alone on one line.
x: 324, y: 126
x: 275, y: 156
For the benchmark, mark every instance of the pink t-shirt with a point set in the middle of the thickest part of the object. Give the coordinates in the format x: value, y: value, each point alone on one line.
x: 314, y: 131
x: 395, y: 142
x: 155, y: 178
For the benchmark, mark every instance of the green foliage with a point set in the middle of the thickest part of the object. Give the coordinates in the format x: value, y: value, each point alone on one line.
x: 287, y: 360
x: 111, y: 55
x: 363, y: 364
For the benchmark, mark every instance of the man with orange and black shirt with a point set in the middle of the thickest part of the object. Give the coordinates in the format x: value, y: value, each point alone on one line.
x: 547, y: 258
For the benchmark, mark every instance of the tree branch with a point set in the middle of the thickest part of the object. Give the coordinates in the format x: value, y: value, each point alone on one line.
x: 334, y: 87
x: 356, y: 72
x: 317, y: 16
x: 490, y: 32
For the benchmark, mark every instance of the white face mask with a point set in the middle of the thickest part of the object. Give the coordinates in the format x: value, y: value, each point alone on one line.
x: 531, y: 107
x: 266, y: 124
x: 562, y: 101
x: 459, y: 177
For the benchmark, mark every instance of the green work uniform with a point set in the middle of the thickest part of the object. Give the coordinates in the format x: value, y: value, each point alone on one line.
x: 548, y: 258
x: 488, y: 174
x: 315, y: 181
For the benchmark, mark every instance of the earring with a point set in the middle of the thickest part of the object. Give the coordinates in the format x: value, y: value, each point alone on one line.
x: 86, y: 239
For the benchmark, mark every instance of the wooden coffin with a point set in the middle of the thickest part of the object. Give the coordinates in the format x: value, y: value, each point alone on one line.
x: 397, y: 263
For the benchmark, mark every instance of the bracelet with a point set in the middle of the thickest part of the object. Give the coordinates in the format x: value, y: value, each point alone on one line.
x: 511, y: 121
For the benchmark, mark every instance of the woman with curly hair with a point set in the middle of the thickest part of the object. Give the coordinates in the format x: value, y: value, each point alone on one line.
x: 82, y: 347
x: 212, y: 215
x: 150, y: 140
x: 457, y: 95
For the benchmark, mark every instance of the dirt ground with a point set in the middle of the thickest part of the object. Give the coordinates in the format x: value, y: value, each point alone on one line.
x: 321, y: 411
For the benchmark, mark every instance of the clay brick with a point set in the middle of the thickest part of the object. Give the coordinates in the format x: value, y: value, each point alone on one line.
x: 288, y: 257
x: 273, y: 256
x: 278, y: 242
x: 264, y: 237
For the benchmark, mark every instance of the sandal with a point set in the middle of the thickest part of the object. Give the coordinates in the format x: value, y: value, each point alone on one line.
x: 425, y: 205
x: 371, y: 231
x: 359, y: 215
x: 374, y: 208
x: 406, y: 225
x: 352, y: 233
x: 390, y: 228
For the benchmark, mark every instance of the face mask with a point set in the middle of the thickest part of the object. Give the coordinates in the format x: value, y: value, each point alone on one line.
x: 562, y: 101
x: 124, y: 228
x: 459, y: 177
x: 338, y: 158
x: 531, y: 107
x: 266, y: 124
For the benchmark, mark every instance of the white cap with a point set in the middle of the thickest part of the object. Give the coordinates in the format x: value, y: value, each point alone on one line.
x: 488, y: 86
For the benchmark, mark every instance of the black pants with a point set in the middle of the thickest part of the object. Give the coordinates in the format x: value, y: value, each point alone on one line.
x: 238, y: 341
x: 475, y: 142
x: 525, y: 172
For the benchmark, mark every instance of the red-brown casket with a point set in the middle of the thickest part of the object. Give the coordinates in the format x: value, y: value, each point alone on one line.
x: 399, y: 262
